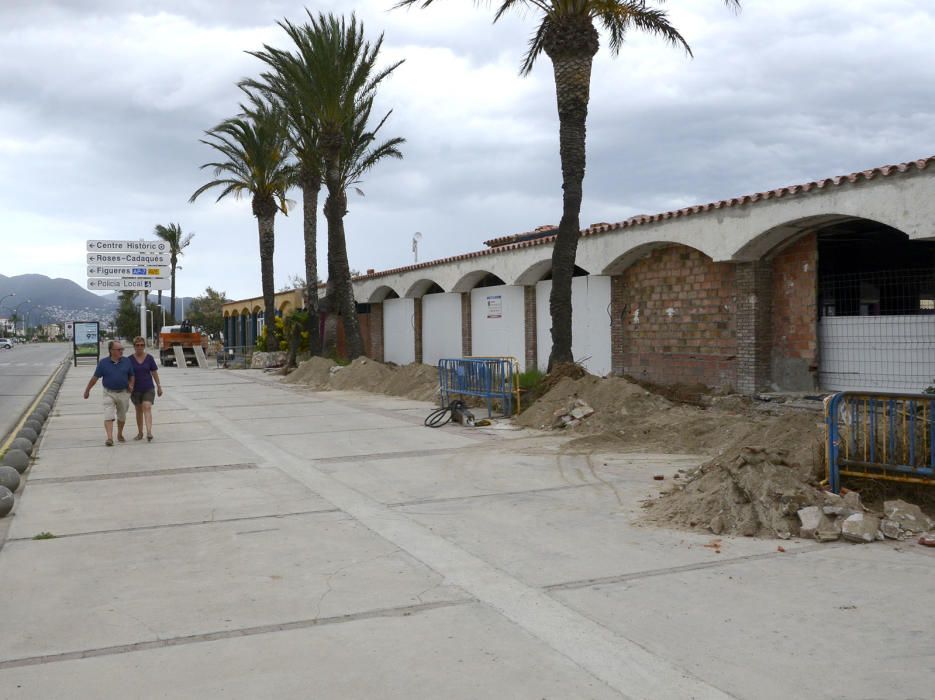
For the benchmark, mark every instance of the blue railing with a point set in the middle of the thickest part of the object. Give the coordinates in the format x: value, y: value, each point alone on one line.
x: 489, y: 378
x: 880, y: 436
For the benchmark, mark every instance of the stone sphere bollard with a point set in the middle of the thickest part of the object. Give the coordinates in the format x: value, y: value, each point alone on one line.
x: 22, y: 443
x: 17, y: 459
x: 28, y: 433
x: 35, y: 424
x: 43, y: 411
x: 9, y: 478
x: 37, y: 416
x: 6, y: 501
x: 47, y: 404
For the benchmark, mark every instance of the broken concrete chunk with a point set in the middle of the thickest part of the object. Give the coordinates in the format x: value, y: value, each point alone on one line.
x: 890, y: 528
x: 860, y: 527
x: 580, y: 412
x: 908, y: 515
x: 852, y: 501
x: 810, y: 518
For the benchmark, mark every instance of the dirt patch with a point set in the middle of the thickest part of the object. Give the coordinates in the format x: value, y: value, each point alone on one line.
x: 414, y: 381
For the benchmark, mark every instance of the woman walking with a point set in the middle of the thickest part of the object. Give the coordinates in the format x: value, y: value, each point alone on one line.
x: 144, y: 390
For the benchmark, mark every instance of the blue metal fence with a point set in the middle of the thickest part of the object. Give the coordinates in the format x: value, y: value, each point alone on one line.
x: 880, y: 436
x: 489, y: 378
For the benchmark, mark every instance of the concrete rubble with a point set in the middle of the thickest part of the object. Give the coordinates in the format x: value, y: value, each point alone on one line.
x: 572, y: 414
x: 844, y: 516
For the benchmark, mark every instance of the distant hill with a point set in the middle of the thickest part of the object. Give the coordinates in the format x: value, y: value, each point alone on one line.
x: 53, y: 300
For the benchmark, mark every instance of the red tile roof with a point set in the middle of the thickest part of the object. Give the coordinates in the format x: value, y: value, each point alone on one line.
x: 535, y: 238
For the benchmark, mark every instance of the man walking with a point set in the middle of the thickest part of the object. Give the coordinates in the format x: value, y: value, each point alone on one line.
x: 116, y: 374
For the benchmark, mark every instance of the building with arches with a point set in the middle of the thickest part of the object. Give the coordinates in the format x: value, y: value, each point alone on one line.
x: 820, y: 286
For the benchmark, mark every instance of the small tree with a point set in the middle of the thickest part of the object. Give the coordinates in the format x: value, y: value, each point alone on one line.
x: 207, y: 311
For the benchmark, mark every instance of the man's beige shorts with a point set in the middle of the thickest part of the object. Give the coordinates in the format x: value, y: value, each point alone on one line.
x: 116, y: 404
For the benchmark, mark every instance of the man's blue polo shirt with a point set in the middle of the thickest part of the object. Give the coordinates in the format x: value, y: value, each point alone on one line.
x: 114, y: 375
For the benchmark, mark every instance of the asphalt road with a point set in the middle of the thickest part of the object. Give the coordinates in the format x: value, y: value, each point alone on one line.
x: 24, y: 370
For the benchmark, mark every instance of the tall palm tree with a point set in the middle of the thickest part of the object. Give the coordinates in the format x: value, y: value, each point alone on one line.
x: 287, y: 84
x: 178, y: 241
x: 334, y: 69
x: 256, y: 152
x: 566, y: 33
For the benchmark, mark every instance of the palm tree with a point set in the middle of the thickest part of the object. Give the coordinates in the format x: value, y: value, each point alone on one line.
x: 334, y: 73
x: 255, y: 147
x: 178, y: 241
x: 566, y: 33
x: 287, y: 84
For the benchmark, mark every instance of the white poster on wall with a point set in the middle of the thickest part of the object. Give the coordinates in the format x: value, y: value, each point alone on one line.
x: 495, y: 306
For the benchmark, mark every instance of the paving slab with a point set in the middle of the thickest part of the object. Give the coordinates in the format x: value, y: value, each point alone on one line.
x: 545, y: 538
x: 102, y: 590
x: 205, y: 494
x: 488, y: 471
x: 842, y: 622
x: 323, y: 423
x: 134, y: 456
x: 90, y: 436
x: 459, y: 652
x: 344, y: 443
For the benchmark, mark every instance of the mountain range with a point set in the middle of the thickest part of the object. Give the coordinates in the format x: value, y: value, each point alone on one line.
x: 54, y: 300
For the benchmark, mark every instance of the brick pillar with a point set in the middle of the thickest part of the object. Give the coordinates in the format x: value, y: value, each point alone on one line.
x: 465, y: 324
x: 417, y: 327
x: 753, y: 285
x: 376, y: 331
x: 532, y: 348
x: 617, y: 311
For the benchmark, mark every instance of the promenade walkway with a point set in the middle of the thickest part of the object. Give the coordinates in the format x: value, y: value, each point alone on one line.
x: 275, y: 542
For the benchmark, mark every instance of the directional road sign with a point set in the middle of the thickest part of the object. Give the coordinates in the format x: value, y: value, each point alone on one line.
x: 137, y: 284
x: 138, y: 246
x: 135, y: 259
x: 127, y: 271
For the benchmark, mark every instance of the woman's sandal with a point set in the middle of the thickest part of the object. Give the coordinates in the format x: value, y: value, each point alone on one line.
x: 109, y: 443
x: 149, y: 438
x: 139, y: 436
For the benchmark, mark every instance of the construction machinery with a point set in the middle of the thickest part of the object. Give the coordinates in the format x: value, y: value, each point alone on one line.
x: 182, y: 345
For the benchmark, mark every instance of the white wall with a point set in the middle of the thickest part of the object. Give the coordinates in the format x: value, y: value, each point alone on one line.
x: 441, y: 327
x: 590, y: 323
x: 498, y: 327
x: 399, y: 336
x: 882, y: 353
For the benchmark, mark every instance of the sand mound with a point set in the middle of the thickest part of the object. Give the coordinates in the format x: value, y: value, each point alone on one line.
x: 414, y: 381
x: 315, y: 372
x: 751, y: 491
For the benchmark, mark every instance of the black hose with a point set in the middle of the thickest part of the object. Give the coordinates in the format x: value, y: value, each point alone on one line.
x: 441, y: 416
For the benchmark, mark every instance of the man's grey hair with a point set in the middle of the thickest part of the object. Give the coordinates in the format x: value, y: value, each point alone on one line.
x: 110, y: 344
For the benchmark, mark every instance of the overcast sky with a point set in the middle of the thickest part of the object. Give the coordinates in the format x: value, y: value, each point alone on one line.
x: 102, y: 103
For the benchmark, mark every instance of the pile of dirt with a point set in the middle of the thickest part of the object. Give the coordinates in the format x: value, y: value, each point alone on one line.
x: 315, y: 372
x: 414, y: 381
x: 751, y: 491
x: 765, y: 466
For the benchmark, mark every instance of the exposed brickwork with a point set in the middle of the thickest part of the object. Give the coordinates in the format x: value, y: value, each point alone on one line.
x: 417, y: 326
x: 753, y: 286
x: 529, y: 293
x: 465, y: 324
x: 795, y: 315
x: 673, y: 319
x: 376, y: 332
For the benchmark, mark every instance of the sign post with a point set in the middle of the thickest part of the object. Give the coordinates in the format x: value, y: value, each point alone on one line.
x: 137, y: 266
x: 87, y: 341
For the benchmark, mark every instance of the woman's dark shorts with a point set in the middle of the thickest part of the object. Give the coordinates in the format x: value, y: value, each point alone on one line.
x: 138, y: 397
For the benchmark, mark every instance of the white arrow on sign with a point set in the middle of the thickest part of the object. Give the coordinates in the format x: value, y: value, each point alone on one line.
x: 134, y: 259
x: 119, y: 284
x: 139, y: 246
x: 127, y: 271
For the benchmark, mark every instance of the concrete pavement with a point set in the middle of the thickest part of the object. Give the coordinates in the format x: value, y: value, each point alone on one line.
x: 277, y: 541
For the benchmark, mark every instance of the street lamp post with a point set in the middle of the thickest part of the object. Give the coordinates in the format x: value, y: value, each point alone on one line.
x: 7, y: 296
x: 27, y: 301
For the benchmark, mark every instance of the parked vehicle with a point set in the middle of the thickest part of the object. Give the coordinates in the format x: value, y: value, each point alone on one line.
x: 6, y: 343
x: 184, y: 336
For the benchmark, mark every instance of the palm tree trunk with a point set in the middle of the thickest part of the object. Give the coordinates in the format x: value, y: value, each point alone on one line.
x: 266, y: 224
x: 173, y: 260
x: 571, y: 48
x: 335, y: 208
x: 311, y: 186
